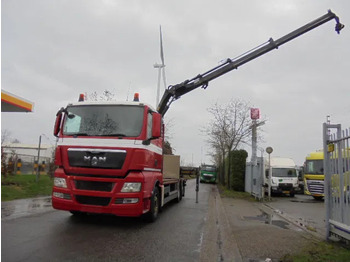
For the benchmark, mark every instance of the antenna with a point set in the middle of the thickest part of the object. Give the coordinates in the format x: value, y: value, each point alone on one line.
x: 127, y: 96
x: 161, y: 67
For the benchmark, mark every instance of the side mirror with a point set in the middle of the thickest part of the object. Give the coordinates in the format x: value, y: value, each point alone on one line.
x: 57, y: 126
x: 156, y: 125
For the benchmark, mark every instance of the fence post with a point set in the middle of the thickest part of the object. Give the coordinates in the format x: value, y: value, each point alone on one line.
x: 340, y: 171
x: 37, y: 171
x: 327, y: 192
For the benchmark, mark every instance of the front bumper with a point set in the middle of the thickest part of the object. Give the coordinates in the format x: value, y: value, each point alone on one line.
x: 284, y: 189
x: 208, y: 179
x: 132, y: 210
x: 99, y: 195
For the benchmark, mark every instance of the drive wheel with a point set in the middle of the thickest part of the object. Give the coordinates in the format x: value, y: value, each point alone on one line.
x: 318, y: 197
x: 152, y: 215
x: 179, y: 192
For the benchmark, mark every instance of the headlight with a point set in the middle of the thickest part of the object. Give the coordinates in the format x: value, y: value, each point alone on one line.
x: 60, y: 182
x: 131, y: 187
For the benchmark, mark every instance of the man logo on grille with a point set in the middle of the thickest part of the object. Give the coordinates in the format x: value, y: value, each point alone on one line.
x: 94, y: 161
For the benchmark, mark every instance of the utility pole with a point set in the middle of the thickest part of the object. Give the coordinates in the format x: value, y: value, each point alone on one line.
x: 255, y: 115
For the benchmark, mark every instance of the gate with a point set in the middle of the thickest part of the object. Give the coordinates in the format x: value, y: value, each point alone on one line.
x: 337, y: 180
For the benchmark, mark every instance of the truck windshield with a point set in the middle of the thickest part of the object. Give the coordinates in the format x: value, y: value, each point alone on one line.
x: 284, y: 172
x: 208, y: 168
x: 104, y: 120
x: 314, y: 167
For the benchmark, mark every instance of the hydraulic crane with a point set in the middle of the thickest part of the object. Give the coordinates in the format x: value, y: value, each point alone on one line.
x: 202, y: 80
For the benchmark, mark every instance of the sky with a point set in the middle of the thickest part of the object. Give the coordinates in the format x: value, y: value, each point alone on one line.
x: 51, y: 51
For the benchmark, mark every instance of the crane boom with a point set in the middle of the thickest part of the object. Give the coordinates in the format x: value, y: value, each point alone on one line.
x: 202, y: 80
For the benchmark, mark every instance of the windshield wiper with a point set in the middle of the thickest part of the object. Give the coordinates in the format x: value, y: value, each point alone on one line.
x: 113, y: 134
x: 78, y: 134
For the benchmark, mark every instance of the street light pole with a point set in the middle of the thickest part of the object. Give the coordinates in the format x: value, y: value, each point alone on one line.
x: 269, y: 150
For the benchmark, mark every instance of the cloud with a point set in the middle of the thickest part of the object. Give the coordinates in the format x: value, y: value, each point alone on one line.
x: 54, y: 50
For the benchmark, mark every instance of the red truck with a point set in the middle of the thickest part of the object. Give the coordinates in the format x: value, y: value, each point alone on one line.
x: 110, y: 155
x: 109, y: 158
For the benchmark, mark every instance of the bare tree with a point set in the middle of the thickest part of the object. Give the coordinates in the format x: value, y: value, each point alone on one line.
x: 5, y: 136
x: 7, y: 163
x: 228, y: 129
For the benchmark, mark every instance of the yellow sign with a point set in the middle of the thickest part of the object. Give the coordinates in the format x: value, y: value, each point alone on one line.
x: 330, y: 148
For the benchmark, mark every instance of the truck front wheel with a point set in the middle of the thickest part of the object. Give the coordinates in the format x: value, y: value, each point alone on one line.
x: 152, y: 215
x: 78, y: 213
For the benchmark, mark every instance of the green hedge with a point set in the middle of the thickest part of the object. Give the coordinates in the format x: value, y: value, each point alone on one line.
x: 236, y: 169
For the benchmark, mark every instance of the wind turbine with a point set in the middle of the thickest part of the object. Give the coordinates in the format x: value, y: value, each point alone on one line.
x: 161, y: 67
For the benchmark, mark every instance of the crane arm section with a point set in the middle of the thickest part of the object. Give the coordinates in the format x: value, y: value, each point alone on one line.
x: 202, y: 80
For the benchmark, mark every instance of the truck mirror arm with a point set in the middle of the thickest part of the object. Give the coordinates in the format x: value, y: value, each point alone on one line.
x: 62, y: 110
x: 147, y: 141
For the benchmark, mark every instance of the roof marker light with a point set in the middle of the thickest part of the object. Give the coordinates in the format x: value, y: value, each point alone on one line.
x: 81, y: 98
x: 136, y: 97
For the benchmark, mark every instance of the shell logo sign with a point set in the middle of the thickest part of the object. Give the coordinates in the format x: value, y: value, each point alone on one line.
x: 13, y: 103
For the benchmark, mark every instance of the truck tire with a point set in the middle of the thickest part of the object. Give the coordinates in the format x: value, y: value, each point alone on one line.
x: 318, y: 198
x: 183, y: 188
x: 152, y: 215
x: 78, y: 213
x: 179, y: 192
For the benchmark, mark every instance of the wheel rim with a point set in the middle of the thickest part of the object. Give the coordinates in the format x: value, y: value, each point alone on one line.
x: 155, y: 204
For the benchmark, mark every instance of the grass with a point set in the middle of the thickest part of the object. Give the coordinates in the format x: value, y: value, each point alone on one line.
x: 321, y: 252
x: 224, y: 192
x: 25, y: 186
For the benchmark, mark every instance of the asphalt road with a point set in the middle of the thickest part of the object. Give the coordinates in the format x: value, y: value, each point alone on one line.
x: 51, y: 235
x: 214, y: 229
x: 304, y: 211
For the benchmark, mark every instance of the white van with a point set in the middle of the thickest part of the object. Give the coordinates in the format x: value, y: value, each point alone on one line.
x: 284, y: 175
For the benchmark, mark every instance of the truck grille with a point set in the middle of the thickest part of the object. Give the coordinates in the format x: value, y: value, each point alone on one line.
x: 95, y: 201
x: 99, y: 158
x: 315, y: 186
x: 94, y: 186
x: 286, y: 186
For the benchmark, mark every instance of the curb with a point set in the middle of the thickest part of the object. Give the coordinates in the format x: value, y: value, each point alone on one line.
x: 298, y: 222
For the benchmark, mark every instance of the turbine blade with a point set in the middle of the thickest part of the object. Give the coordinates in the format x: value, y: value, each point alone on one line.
x: 161, y: 45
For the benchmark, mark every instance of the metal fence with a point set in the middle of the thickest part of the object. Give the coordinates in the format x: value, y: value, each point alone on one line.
x: 27, y: 164
x: 336, y: 146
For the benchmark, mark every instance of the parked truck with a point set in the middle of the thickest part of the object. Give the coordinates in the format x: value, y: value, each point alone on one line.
x: 110, y: 154
x: 284, y: 175
x: 314, y: 175
x: 208, y: 173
